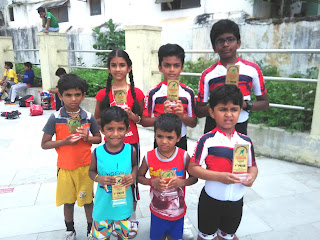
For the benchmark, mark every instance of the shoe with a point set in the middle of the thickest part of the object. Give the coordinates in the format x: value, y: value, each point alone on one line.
x: 114, y: 233
x: 70, y: 235
x: 187, y: 232
x: 12, y: 115
x: 90, y: 237
x: 133, y: 229
x: 4, y: 114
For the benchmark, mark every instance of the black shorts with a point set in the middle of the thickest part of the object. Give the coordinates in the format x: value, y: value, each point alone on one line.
x: 134, y: 186
x: 214, y: 214
x: 181, y: 144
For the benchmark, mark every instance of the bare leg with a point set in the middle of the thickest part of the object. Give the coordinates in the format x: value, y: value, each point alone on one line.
x: 68, y: 212
x: 88, y: 208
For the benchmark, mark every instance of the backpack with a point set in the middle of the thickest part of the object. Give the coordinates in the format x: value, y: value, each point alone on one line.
x: 25, y: 101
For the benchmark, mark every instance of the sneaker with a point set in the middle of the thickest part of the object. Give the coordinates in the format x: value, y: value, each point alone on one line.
x: 12, y: 115
x: 114, y: 233
x: 89, y: 237
x: 187, y: 232
x: 133, y: 229
x: 70, y: 235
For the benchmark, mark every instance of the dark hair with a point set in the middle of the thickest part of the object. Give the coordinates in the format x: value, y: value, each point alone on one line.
x: 224, y: 94
x: 9, y: 64
x: 114, y: 113
x: 28, y: 64
x: 72, y: 81
x: 105, y: 103
x: 169, y: 50
x: 41, y: 9
x: 221, y: 27
x: 60, y: 71
x: 168, y: 122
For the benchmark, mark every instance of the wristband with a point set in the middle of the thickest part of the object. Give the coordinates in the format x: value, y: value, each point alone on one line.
x: 139, y: 119
x: 96, y: 177
x: 149, y: 182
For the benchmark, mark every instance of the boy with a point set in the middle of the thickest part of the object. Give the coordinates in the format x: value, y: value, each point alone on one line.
x: 167, y: 195
x: 113, y: 158
x: 225, y: 40
x: 73, y: 145
x: 49, y: 22
x: 27, y: 81
x: 59, y: 73
x: 11, y: 75
x: 221, y: 200
x: 171, y: 60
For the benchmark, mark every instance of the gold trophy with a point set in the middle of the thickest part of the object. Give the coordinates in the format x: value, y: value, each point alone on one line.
x: 173, y: 91
x: 240, y: 160
x: 232, y: 74
x: 167, y: 175
x: 120, y: 97
x: 73, y: 124
x: 118, y: 191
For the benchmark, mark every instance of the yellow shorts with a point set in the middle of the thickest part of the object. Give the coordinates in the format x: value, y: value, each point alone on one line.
x: 74, y: 185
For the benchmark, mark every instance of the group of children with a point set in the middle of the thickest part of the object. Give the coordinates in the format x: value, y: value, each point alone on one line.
x: 115, y: 165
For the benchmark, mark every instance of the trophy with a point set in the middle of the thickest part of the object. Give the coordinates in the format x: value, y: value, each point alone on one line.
x: 120, y: 97
x: 73, y: 124
x: 232, y: 74
x: 240, y: 161
x: 167, y: 176
x: 119, y: 193
x: 173, y: 91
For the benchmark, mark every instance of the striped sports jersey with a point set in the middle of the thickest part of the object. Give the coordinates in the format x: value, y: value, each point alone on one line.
x: 250, y: 77
x: 158, y: 95
x: 215, y: 150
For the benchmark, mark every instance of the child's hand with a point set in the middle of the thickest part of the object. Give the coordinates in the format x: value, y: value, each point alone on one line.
x: 178, y: 109
x: 72, y: 139
x: 175, y: 183
x: 83, y: 133
x: 105, y: 180
x: 158, y: 184
x: 167, y: 107
x: 229, y: 178
x: 127, y: 180
x: 249, y: 180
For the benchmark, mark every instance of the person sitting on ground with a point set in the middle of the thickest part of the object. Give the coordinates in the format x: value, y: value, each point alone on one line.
x: 27, y: 81
x: 11, y: 75
x: 49, y: 22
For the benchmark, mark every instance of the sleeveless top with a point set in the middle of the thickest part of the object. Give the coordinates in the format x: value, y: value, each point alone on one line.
x: 111, y: 164
x: 170, y: 204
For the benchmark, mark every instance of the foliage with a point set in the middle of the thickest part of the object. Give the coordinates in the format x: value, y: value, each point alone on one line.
x: 37, y: 72
x: 108, y: 39
x: 96, y: 79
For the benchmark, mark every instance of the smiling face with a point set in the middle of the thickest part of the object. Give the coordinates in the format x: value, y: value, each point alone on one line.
x: 226, y: 46
x: 225, y: 115
x: 119, y: 68
x: 171, y: 67
x: 114, y: 133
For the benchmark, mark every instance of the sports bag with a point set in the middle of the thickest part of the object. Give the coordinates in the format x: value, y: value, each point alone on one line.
x: 25, y: 101
x: 47, y: 101
x: 36, y: 110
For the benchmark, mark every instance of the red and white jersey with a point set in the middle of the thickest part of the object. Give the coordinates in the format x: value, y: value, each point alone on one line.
x: 157, y: 95
x: 215, y: 150
x: 250, y: 77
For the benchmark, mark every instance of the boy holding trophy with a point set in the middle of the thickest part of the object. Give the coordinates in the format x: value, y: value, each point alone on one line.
x: 230, y: 167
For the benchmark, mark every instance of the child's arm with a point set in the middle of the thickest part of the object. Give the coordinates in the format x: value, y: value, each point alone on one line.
x: 147, y: 121
x: 224, y: 177
x: 104, y: 180
x: 252, y: 175
x: 179, y: 182
x: 202, y: 109
x: 188, y: 121
x: 47, y: 142
x: 54, y: 90
x: 97, y: 112
x: 156, y: 183
x: 129, y: 179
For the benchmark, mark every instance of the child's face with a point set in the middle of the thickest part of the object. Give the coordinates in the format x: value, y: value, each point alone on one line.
x: 224, y: 49
x: 72, y: 99
x: 119, y: 69
x: 115, y: 132
x: 171, y: 67
x: 6, y: 67
x: 226, y: 116
x: 42, y: 14
x: 166, y: 140
x: 26, y: 68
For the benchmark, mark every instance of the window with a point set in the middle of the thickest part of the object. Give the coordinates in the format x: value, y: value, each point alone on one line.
x: 95, y: 7
x: 60, y: 13
x: 11, y: 14
x: 179, y: 4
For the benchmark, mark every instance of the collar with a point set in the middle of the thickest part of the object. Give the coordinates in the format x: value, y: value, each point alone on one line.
x: 216, y: 129
x: 63, y: 113
x: 238, y: 60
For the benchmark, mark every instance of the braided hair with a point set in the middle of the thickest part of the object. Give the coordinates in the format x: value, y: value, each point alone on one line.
x: 105, y: 103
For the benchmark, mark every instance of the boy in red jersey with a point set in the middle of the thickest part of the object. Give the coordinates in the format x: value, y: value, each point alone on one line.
x: 167, y: 195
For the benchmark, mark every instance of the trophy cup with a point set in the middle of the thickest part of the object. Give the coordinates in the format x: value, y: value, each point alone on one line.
x: 119, y: 193
x: 120, y: 97
x: 173, y: 91
x: 240, y: 161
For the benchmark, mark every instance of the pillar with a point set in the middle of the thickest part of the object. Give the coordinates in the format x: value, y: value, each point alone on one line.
x: 5, y: 55
x: 140, y: 41
x: 50, y: 58
x: 315, y: 126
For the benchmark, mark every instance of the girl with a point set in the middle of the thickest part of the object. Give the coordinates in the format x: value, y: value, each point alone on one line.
x: 119, y: 65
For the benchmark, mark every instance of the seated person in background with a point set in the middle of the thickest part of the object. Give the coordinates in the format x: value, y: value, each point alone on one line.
x: 27, y: 81
x: 59, y: 73
x: 49, y: 22
x: 11, y: 75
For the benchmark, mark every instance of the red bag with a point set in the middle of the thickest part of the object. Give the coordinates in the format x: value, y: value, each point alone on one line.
x: 36, y: 110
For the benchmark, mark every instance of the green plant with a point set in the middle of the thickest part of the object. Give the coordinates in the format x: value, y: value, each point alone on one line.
x: 37, y: 72
x: 108, y: 39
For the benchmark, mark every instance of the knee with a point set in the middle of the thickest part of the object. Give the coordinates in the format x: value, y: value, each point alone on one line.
x: 88, y: 205
x: 69, y: 205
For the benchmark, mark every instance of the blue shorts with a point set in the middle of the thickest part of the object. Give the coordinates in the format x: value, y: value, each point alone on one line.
x: 161, y: 227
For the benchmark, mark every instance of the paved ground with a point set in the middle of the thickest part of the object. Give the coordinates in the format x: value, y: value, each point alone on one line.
x: 283, y: 203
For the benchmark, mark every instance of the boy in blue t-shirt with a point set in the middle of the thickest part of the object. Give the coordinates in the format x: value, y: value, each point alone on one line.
x: 108, y: 160
x: 27, y: 81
